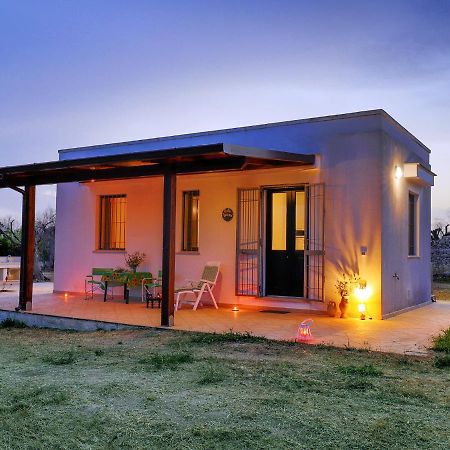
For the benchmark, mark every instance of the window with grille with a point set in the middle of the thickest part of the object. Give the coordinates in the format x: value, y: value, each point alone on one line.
x: 412, y: 225
x: 191, y: 205
x: 113, y: 209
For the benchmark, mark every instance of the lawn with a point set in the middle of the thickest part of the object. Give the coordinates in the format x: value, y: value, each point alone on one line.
x: 166, y: 389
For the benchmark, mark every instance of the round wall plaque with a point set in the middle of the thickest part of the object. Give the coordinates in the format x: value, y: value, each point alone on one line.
x: 227, y: 214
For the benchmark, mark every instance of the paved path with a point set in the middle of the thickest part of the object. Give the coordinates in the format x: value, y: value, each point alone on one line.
x: 408, y: 333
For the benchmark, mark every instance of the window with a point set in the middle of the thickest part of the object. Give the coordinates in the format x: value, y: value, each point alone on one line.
x: 412, y: 225
x: 112, y: 222
x: 191, y: 200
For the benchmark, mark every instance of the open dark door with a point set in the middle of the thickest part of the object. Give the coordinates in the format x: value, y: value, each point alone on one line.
x: 285, y: 242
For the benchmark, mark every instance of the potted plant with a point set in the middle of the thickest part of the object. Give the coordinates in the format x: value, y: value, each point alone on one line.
x: 344, y: 287
x: 134, y: 260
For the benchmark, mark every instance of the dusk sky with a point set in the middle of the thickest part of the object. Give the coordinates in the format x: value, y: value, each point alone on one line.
x: 76, y: 73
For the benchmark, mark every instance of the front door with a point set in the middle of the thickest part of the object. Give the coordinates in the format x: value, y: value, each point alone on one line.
x: 285, y: 242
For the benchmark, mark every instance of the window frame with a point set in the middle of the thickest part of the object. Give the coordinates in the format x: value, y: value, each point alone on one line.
x: 102, y: 224
x: 413, y: 233
x: 186, y: 224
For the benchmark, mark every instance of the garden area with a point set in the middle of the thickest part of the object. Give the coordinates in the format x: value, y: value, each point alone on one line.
x: 167, y: 389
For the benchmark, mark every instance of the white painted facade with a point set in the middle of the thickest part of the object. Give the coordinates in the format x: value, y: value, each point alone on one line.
x: 365, y: 206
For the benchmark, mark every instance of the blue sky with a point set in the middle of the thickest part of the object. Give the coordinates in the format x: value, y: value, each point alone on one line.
x: 75, y: 73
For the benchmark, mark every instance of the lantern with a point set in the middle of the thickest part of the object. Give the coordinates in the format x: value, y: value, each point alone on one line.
x: 304, y: 331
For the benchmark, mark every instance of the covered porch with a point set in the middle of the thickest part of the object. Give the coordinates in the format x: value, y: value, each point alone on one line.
x: 408, y: 333
x: 167, y: 164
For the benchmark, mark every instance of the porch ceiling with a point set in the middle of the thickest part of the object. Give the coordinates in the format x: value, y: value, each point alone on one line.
x: 197, y: 159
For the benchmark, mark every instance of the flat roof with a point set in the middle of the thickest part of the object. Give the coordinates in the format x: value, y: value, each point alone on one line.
x: 358, y: 114
x: 195, y: 159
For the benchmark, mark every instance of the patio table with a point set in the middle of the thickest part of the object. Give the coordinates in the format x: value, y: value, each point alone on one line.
x: 116, y: 279
x: 129, y: 280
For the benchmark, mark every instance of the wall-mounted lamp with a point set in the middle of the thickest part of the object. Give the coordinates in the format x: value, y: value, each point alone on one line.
x: 364, y: 250
x: 235, y: 308
x: 398, y: 172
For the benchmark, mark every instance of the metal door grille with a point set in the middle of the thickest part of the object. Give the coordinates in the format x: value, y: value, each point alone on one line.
x: 248, y: 242
x: 314, y: 243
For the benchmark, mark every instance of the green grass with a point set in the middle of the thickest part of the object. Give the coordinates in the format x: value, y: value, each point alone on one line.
x: 366, y: 370
x: 173, y: 390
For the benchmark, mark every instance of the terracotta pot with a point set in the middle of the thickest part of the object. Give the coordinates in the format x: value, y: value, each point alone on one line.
x: 343, y: 305
x: 332, y: 309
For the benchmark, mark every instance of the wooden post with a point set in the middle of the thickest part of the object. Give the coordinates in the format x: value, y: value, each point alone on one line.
x: 27, y: 256
x: 168, y: 257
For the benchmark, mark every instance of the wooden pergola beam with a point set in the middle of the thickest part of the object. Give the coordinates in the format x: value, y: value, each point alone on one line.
x: 27, y: 253
x: 168, y: 257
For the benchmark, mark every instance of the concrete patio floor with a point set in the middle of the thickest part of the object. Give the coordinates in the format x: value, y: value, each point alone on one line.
x: 408, y: 333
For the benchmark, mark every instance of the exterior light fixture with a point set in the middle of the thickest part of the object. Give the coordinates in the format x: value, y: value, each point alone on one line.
x: 235, y: 308
x: 362, y: 311
x: 398, y: 172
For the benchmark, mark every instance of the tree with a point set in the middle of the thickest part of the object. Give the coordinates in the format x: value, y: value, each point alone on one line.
x: 10, y: 237
x: 10, y: 241
x: 439, y: 230
x: 45, y: 239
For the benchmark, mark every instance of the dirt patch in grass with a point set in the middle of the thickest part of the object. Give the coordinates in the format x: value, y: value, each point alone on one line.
x: 174, y: 390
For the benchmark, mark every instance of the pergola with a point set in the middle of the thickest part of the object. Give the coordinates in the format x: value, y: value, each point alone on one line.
x: 167, y: 163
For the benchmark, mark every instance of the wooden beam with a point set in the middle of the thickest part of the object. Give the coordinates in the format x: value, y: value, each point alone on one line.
x: 17, y: 189
x: 27, y: 256
x: 86, y: 175
x: 168, y: 257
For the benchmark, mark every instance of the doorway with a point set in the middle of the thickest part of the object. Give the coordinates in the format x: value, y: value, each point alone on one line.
x: 285, y: 242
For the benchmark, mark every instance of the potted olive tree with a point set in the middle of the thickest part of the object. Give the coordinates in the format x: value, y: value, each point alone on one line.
x: 344, y: 287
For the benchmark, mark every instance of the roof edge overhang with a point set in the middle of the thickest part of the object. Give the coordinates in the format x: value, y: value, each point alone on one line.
x: 194, y: 159
x: 327, y: 118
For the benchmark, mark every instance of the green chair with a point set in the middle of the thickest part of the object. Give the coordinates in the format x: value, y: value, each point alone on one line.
x: 94, y: 282
x: 149, y: 287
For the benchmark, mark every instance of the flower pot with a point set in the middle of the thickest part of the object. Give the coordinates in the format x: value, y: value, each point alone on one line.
x: 343, y: 305
x: 332, y: 309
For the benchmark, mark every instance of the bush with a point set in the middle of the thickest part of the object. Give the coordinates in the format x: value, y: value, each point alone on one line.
x: 441, y: 343
x: 12, y: 323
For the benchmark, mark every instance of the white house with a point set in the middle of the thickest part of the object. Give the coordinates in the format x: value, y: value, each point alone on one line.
x: 342, y: 194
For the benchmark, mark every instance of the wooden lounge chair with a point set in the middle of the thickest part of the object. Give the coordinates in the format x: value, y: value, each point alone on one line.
x: 198, y: 288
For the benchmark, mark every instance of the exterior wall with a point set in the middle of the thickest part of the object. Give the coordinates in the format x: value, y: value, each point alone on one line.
x: 414, y: 284
x: 365, y: 207
x: 349, y: 167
